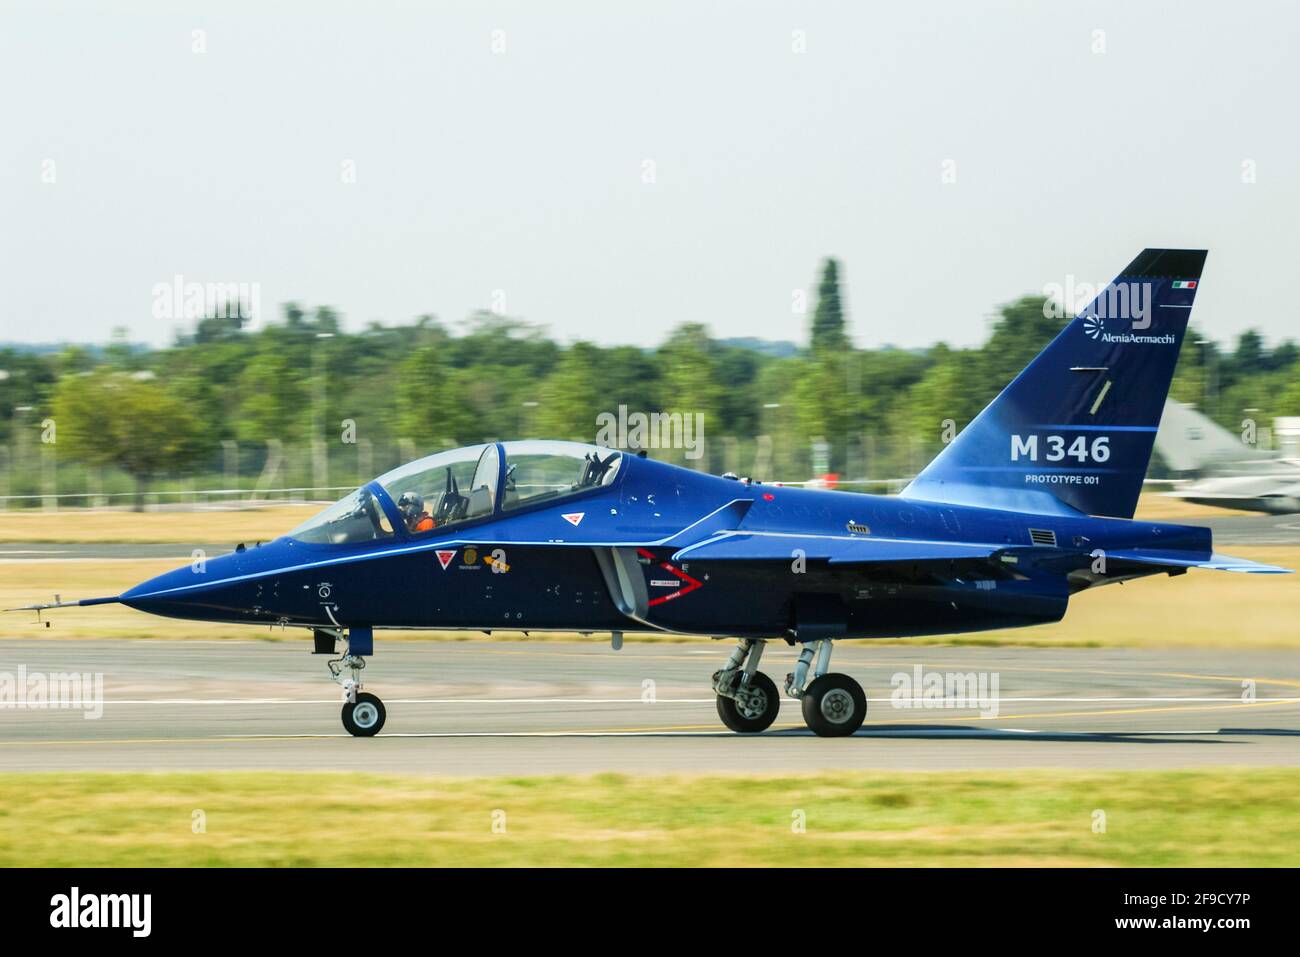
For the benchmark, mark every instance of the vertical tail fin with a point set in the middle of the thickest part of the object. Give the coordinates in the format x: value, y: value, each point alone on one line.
x: 1073, y: 432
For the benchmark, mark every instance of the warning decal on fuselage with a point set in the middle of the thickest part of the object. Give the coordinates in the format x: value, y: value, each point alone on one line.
x: 677, y: 582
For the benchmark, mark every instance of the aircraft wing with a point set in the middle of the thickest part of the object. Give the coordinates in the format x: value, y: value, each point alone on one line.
x: 837, y: 549
x: 1215, y: 561
x: 843, y: 550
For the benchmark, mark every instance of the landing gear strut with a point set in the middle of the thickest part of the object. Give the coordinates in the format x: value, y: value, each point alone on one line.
x: 363, y: 713
x: 834, y: 705
x: 747, y: 698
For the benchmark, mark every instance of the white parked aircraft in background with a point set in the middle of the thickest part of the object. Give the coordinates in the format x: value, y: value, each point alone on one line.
x: 1228, y: 472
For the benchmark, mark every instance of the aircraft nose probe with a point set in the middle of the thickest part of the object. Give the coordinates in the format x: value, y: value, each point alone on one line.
x: 60, y: 603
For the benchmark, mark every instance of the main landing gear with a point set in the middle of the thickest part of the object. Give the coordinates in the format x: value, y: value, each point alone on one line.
x: 834, y: 705
x: 363, y: 713
x: 747, y: 698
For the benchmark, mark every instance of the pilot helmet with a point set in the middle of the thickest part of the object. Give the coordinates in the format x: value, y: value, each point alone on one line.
x: 411, y: 505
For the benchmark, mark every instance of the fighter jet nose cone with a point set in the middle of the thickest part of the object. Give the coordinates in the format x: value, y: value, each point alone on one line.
x: 183, y: 592
x: 165, y: 589
x: 151, y: 586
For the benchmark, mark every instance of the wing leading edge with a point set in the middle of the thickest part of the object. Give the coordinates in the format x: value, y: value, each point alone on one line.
x: 760, y: 546
x: 842, y: 550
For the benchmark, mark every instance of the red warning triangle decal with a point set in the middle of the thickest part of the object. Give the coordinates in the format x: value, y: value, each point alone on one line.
x: 445, y: 555
x: 573, y: 518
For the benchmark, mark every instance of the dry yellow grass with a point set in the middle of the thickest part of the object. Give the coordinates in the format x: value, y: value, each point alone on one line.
x: 1199, y: 609
x: 1154, y: 507
x: 1202, y: 608
x: 85, y: 525
x: 1211, y: 818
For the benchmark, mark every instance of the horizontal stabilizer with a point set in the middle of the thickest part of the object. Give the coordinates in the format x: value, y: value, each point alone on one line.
x: 1214, y: 561
x: 767, y: 546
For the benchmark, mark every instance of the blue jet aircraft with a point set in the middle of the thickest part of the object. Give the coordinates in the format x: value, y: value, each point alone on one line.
x: 1029, y: 504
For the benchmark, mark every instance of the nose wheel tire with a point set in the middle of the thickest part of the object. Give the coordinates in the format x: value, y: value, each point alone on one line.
x: 834, y: 706
x: 364, y: 717
x: 756, y: 711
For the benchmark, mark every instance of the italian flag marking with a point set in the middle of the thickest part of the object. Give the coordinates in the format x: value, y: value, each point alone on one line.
x: 1185, y: 284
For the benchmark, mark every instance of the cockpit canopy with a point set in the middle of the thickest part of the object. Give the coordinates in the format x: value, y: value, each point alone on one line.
x: 539, y: 471
x: 356, y: 517
x: 447, y: 487
x: 461, y: 485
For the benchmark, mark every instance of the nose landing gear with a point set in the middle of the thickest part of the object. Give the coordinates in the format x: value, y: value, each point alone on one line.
x: 365, y: 716
x: 363, y: 713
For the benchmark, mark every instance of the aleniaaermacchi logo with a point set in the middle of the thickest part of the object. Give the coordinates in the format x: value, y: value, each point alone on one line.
x: 1094, y: 327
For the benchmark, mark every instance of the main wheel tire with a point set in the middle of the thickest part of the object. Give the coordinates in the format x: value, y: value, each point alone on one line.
x: 834, y: 706
x: 365, y: 717
x: 756, y: 715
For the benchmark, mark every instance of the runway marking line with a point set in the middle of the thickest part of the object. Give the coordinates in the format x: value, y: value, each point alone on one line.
x: 595, y: 651
x: 1286, y: 682
x: 1083, y: 699
x: 614, y: 732
x: 1048, y: 700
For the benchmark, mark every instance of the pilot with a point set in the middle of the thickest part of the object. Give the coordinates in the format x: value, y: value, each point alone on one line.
x: 411, y: 505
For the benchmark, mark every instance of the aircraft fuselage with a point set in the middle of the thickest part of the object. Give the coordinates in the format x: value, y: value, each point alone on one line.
x: 568, y: 566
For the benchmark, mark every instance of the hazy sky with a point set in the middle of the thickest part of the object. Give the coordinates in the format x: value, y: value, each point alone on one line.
x: 506, y: 147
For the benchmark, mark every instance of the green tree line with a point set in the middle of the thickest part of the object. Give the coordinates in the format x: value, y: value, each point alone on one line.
x: 154, y: 413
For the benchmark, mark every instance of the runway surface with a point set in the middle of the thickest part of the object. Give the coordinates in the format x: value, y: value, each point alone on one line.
x: 480, y: 707
x: 1246, y: 529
